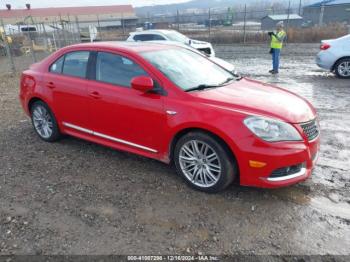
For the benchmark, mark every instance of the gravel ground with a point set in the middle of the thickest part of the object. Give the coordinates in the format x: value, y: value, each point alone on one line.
x: 75, y: 197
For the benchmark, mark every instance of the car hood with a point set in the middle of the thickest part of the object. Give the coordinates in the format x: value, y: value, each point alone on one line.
x: 255, y: 98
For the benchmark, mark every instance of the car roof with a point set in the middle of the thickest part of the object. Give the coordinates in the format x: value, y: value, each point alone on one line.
x: 136, y: 47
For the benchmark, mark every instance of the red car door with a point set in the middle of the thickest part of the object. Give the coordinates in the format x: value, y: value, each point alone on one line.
x: 121, y: 114
x: 67, y: 83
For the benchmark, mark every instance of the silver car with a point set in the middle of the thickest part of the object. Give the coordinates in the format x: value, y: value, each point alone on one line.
x: 335, y: 56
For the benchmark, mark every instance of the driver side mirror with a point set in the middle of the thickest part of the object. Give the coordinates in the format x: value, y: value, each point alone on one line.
x: 142, y: 83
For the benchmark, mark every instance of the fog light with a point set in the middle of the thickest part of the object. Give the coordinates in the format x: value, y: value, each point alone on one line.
x: 287, y: 171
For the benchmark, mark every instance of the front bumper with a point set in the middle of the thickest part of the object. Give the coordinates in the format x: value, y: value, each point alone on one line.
x: 277, y: 156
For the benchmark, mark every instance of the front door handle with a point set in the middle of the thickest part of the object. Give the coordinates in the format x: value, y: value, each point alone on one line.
x: 50, y: 85
x: 95, y: 95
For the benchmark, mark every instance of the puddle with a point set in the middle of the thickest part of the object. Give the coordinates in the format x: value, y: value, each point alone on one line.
x: 326, y: 205
x: 295, y: 195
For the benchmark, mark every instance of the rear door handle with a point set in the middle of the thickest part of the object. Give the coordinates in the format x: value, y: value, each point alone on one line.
x: 95, y: 95
x: 50, y: 85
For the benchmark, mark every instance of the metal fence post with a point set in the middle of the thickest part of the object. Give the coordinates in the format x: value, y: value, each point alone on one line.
x: 45, y: 36
x: 244, y: 25
x: 78, y: 28
x: 99, y: 27
x: 31, y: 45
x: 56, y: 37
x: 123, y: 25
x: 8, y: 50
x: 63, y: 31
x: 70, y: 31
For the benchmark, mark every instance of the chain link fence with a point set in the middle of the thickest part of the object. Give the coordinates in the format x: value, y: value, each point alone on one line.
x: 28, y: 42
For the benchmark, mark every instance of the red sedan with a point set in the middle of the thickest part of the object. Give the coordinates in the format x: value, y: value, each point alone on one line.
x: 172, y: 104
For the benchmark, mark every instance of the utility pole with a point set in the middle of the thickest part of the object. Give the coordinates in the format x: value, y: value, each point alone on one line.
x: 320, y: 22
x: 288, y: 17
x: 177, y: 20
x: 209, y: 24
x: 244, y: 26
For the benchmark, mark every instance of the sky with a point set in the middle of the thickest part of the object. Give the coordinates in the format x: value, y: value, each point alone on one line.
x: 60, y: 3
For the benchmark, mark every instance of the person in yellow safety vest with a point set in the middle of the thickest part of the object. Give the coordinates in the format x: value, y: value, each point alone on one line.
x: 3, y: 36
x: 276, y: 46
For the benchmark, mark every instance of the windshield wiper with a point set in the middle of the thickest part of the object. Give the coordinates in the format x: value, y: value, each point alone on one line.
x: 201, y: 87
x: 228, y: 80
x: 204, y: 86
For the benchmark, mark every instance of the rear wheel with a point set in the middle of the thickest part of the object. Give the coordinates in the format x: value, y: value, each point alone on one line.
x: 44, y: 122
x: 342, y: 68
x: 204, y: 162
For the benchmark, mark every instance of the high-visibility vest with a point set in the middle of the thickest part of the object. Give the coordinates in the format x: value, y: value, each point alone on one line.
x: 275, y: 43
x: 9, y: 39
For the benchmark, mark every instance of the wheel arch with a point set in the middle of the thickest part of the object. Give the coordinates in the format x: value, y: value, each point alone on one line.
x: 32, y: 100
x: 36, y: 98
x: 212, y: 133
x: 336, y: 62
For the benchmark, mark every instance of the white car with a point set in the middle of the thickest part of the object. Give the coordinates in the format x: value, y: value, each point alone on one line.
x: 335, y: 56
x: 171, y: 35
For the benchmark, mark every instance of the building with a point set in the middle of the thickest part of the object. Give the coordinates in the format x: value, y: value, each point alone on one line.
x: 102, y: 16
x: 329, y: 11
x: 269, y: 22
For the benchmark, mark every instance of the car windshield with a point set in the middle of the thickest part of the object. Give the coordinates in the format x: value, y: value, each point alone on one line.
x: 187, y: 69
x: 177, y: 37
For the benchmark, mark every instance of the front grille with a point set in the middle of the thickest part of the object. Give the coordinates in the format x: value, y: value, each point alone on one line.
x: 310, y: 129
x: 286, y: 171
x: 205, y: 50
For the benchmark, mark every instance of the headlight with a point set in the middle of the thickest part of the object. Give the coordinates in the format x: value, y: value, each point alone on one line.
x: 272, y: 130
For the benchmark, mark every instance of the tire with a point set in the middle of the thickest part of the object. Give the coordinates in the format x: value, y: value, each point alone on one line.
x: 44, y: 122
x: 204, y: 163
x: 342, y: 68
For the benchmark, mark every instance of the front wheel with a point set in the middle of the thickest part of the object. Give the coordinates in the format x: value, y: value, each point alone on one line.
x: 342, y: 68
x: 204, y: 162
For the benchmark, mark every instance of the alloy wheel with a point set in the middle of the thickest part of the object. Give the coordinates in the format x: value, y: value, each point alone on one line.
x: 344, y: 69
x: 200, y: 163
x: 42, y: 121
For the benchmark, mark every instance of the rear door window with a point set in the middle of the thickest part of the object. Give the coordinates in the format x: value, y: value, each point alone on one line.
x: 57, y: 66
x: 116, y: 69
x: 75, y: 64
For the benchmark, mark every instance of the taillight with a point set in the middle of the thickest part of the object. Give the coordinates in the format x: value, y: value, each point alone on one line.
x: 27, y: 81
x: 325, y: 46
